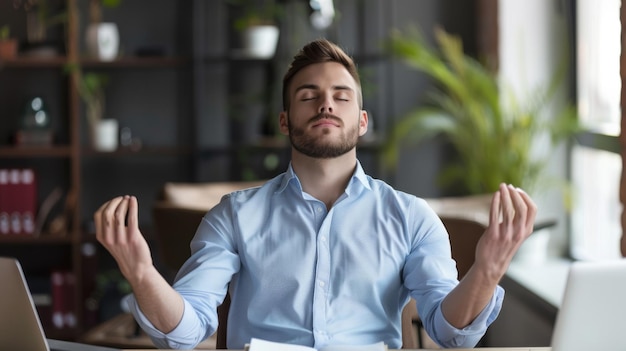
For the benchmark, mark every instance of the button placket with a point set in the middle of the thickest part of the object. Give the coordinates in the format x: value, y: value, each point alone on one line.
x: 322, y: 283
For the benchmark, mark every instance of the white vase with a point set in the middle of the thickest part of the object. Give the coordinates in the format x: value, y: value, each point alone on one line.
x: 106, y: 135
x: 260, y: 41
x: 103, y: 41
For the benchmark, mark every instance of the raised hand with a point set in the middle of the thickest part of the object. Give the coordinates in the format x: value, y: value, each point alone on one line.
x: 117, y: 229
x: 511, y: 219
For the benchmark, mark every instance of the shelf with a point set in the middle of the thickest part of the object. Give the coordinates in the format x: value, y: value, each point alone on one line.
x: 34, y: 62
x: 31, y: 240
x: 144, y: 151
x: 35, y: 151
x: 135, y: 62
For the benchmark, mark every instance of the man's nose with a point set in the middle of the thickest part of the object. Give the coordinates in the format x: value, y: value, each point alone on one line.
x: 327, y: 105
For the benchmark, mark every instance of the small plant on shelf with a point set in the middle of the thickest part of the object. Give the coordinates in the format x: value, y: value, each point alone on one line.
x: 257, y: 13
x: 8, y: 45
x: 90, y: 87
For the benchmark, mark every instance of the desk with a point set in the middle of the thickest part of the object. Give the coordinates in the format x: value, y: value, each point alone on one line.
x: 478, y: 348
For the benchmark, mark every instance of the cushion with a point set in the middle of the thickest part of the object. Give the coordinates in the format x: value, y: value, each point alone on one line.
x: 202, y: 196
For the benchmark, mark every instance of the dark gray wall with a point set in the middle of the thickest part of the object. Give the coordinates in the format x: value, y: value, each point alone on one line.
x: 201, y: 104
x: 391, y: 89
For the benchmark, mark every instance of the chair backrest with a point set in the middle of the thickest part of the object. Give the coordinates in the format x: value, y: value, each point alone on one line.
x: 464, y: 235
x: 174, y: 228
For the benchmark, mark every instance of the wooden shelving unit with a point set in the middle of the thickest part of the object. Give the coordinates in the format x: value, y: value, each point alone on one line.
x: 70, y: 163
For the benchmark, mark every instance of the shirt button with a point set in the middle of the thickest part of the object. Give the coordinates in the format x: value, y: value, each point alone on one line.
x: 323, y: 239
x: 322, y: 283
x: 319, y: 209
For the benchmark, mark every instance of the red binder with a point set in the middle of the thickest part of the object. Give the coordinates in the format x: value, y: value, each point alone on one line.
x: 69, y: 289
x: 5, y: 224
x: 21, y: 201
x: 28, y: 200
x: 14, y: 204
x: 57, y: 279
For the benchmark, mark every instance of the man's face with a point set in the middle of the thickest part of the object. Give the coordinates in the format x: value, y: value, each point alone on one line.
x: 324, y: 118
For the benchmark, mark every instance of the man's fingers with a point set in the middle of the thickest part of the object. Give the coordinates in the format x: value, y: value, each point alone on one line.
x: 133, y: 214
x: 531, y: 206
x: 520, y: 206
x: 104, y: 218
x: 508, y: 211
x: 120, y: 219
x: 494, y: 212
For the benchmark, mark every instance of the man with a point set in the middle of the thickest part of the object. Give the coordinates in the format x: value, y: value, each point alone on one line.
x: 321, y: 254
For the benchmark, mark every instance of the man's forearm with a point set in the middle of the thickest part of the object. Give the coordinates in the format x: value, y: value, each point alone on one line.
x: 465, y: 302
x: 158, y: 301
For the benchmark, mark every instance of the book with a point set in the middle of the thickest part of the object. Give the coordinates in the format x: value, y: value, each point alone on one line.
x: 15, y: 216
x: 265, y: 345
x: 5, y: 223
x: 27, y: 196
x: 18, y: 201
x: 58, y: 298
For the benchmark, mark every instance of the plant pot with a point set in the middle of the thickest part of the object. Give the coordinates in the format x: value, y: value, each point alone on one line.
x: 106, y: 135
x: 8, y: 49
x: 102, y: 40
x: 260, y: 41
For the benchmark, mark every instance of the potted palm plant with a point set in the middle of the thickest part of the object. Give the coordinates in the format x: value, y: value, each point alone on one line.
x: 492, y: 132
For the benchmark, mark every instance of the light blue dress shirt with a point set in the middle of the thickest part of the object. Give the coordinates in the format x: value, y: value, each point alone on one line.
x: 300, y: 273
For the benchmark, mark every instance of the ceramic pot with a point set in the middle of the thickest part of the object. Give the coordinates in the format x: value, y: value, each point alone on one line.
x: 260, y: 41
x: 106, y: 135
x: 103, y: 41
x: 8, y: 49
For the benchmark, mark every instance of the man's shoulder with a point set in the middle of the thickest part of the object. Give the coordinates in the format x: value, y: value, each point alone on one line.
x: 387, y: 191
x: 259, y: 189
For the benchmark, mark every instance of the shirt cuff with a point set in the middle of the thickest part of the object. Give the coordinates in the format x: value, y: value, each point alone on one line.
x: 450, y: 336
x: 178, y: 338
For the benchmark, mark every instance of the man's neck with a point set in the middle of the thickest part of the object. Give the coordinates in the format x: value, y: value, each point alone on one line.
x: 324, y: 179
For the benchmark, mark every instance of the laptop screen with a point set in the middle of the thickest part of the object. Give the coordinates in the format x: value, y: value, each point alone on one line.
x: 20, y: 328
x: 593, y: 313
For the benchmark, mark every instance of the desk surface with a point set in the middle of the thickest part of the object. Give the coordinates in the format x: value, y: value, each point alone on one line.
x: 478, y: 348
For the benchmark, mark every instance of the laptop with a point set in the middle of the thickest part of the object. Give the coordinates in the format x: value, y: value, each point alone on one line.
x: 593, y: 312
x: 20, y: 327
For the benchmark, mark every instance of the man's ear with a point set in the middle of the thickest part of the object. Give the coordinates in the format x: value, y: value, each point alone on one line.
x: 283, y: 123
x: 363, y: 122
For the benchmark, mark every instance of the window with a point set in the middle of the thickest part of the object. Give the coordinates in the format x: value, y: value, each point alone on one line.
x: 596, y: 163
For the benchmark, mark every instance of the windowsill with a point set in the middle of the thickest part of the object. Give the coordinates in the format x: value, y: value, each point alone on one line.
x: 546, y: 280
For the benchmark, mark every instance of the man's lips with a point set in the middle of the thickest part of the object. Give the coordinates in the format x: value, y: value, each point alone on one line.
x: 325, y: 122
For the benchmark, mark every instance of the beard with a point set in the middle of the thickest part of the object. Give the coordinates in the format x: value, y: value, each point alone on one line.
x: 313, y: 147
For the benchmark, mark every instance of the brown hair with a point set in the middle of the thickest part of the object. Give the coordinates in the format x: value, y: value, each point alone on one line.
x: 318, y: 51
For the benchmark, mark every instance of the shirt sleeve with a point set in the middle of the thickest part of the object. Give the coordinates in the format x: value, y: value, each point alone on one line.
x: 430, y: 274
x: 179, y: 338
x: 448, y: 336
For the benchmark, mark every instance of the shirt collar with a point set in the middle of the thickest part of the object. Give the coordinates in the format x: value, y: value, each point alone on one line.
x: 358, y: 178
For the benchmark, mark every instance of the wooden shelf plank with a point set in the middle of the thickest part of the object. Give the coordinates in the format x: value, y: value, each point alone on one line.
x: 35, y: 62
x: 144, y: 151
x: 35, y: 151
x: 32, y: 240
x: 135, y: 62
